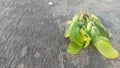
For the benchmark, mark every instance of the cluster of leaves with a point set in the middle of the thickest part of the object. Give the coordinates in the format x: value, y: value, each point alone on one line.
x: 85, y: 28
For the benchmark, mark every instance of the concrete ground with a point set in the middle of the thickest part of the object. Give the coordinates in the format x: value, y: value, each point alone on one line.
x: 32, y: 33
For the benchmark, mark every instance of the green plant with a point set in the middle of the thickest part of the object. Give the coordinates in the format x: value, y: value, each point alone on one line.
x: 85, y: 28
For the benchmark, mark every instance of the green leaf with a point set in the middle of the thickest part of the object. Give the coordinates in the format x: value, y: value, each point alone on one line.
x: 76, y: 36
x: 103, y: 31
x: 93, y: 32
x: 73, y: 48
x: 104, y: 47
x: 72, y: 25
x: 75, y: 21
x: 67, y: 33
x: 77, y: 40
x: 86, y: 37
x: 87, y: 42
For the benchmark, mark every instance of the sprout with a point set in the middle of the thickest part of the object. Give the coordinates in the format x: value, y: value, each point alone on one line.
x: 85, y: 28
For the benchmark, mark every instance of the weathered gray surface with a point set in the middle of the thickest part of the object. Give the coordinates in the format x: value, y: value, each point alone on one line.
x: 32, y: 33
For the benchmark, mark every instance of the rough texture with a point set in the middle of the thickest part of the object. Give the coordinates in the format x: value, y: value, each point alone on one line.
x: 32, y: 33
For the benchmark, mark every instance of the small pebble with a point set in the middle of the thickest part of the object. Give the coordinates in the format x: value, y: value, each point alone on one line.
x: 50, y: 3
x: 37, y: 54
x: 21, y: 66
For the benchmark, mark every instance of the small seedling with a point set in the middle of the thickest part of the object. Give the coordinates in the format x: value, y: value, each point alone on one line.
x: 85, y: 28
